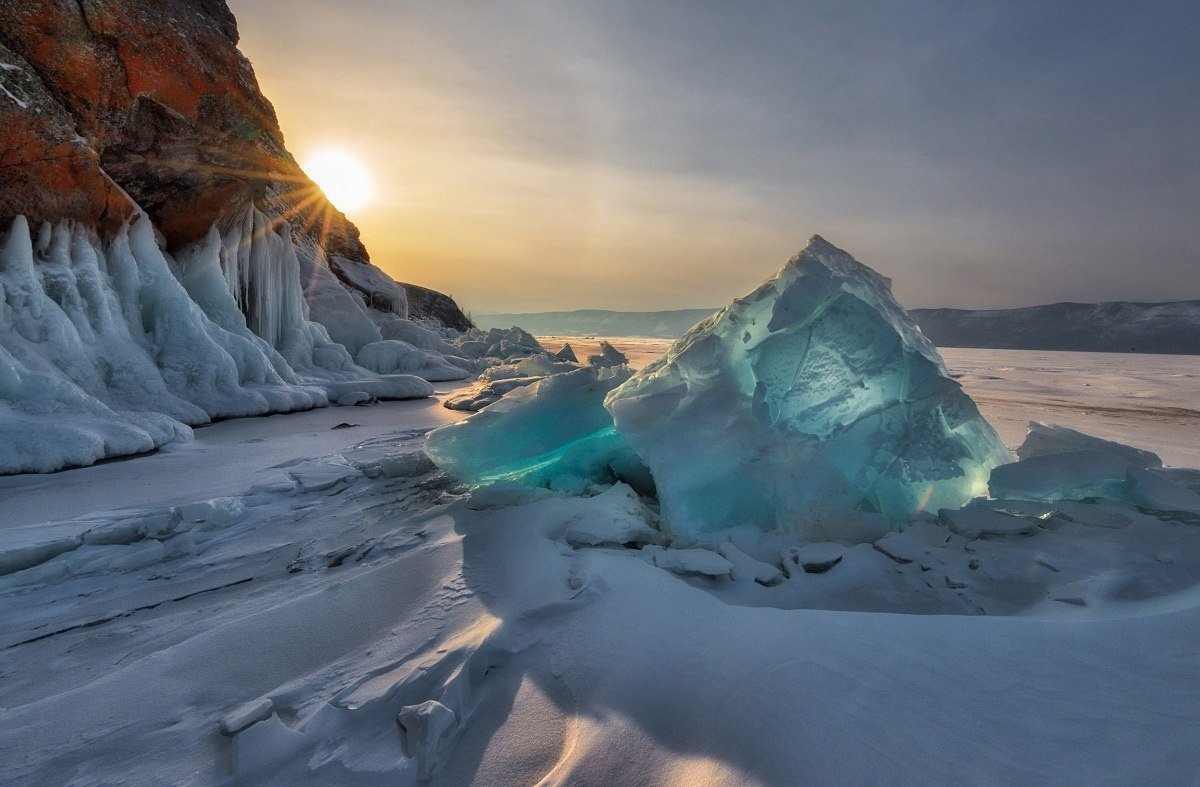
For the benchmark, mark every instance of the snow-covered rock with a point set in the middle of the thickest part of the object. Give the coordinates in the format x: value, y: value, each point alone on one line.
x: 813, y: 396
x: 485, y: 392
x: 698, y: 562
x: 747, y: 568
x: 615, y: 517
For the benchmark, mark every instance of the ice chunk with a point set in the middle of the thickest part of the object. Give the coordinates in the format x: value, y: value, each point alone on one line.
x: 609, y: 356
x: 699, y: 562
x: 555, y: 433
x: 1046, y: 439
x: 567, y: 353
x: 976, y: 521
x: 1070, y: 476
x: 1155, y: 490
x: 813, y: 396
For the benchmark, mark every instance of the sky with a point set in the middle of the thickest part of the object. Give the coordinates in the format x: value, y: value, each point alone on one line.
x: 647, y: 155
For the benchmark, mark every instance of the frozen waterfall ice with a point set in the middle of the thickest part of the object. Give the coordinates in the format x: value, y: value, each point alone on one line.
x: 811, y: 398
x: 110, y: 349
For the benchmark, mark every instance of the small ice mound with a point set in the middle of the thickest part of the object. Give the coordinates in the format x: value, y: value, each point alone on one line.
x: 554, y: 434
x: 609, y: 356
x: 813, y: 396
x: 567, y: 353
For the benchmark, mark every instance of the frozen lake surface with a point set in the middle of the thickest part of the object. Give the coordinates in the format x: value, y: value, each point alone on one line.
x: 344, y: 614
x: 1150, y: 401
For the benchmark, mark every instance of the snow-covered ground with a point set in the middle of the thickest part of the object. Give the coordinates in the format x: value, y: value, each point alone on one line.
x: 345, y: 614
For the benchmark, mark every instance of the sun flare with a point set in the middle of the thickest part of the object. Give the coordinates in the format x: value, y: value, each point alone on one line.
x: 342, y: 176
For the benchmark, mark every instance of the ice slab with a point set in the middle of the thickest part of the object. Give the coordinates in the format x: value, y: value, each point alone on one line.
x: 554, y: 433
x: 609, y: 356
x: 1071, y: 476
x: 1157, y: 491
x: 1046, y: 439
x: 813, y: 396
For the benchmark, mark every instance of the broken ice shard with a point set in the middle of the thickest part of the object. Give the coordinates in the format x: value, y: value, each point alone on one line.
x: 813, y: 397
x: 554, y: 433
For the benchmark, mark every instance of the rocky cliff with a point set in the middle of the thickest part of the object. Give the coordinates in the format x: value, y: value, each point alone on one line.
x: 113, y: 107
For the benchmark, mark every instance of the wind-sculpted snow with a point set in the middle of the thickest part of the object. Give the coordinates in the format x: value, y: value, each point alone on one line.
x: 812, y: 398
x: 116, y: 349
x: 554, y: 433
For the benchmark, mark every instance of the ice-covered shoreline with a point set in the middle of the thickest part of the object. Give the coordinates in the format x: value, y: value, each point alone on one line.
x: 275, y: 635
x: 336, y: 598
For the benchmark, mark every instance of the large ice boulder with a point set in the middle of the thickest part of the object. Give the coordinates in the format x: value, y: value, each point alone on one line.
x: 814, y: 397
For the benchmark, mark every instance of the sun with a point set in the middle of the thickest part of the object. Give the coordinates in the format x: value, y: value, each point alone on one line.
x: 343, y: 178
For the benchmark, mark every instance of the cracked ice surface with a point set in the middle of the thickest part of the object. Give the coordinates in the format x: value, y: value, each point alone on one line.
x: 814, y: 396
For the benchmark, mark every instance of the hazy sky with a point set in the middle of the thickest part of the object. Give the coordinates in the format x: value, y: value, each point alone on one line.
x: 647, y: 155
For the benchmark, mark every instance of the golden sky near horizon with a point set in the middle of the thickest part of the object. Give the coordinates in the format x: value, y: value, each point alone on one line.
x: 533, y: 156
x: 457, y: 207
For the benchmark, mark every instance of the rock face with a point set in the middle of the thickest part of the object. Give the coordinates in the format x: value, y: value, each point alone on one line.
x: 112, y: 107
x: 813, y: 398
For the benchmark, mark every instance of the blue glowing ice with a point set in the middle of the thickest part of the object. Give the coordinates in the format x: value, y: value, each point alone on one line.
x: 554, y: 433
x: 813, y: 398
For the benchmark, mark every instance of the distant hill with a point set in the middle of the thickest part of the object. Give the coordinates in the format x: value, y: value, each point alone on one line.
x: 1116, y: 326
x: 599, y: 322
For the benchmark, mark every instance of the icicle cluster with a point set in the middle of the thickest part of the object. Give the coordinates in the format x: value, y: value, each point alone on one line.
x: 115, y: 349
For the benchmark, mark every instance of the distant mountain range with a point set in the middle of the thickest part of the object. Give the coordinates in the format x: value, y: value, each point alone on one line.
x: 1116, y: 326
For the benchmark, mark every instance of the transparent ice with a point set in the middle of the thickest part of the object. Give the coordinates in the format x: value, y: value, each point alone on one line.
x: 811, y: 398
